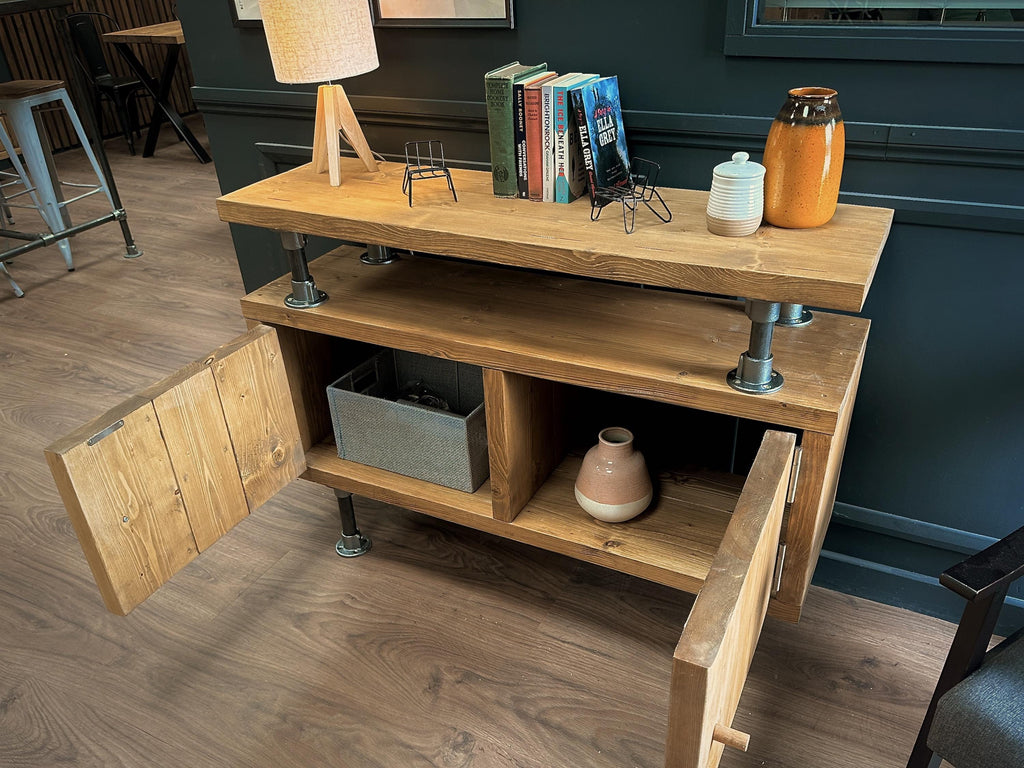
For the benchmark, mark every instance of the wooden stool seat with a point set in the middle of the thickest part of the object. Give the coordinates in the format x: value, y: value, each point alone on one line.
x: 17, y: 89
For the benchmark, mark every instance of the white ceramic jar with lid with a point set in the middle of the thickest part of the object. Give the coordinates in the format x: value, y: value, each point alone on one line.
x: 736, y: 202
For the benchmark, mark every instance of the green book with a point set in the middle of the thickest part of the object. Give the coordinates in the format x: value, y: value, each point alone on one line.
x: 498, y: 96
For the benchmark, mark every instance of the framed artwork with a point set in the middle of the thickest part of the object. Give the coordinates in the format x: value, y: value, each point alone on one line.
x: 246, y: 13
x: 442, y: 13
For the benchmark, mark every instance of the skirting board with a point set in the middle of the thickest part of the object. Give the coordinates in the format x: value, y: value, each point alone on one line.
x: 915, y: 553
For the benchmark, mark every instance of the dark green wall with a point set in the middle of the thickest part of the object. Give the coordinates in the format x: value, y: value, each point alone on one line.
x: 935, y: 462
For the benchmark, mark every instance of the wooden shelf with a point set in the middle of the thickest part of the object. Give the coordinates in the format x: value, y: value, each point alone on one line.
x: 659, y: 345
x: 831, y: 266
x: 673, y: 543
x: 473, y: 509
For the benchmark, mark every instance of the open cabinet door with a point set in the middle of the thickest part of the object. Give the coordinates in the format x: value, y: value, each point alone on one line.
x: 159, y: 478
x: 710, y: 664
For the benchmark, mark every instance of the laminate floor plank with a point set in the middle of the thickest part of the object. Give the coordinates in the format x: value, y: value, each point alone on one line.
x: 443, y: 647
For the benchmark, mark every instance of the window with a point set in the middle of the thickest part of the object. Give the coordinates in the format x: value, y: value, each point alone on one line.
x: 990, y: 13
x: 954, y: 31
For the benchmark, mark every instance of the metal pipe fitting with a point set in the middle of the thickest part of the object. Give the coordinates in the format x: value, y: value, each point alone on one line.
x: 378, y: 255
x: 794, y: 315
x: 352, y: 543
x: 754, y: 374
x: 304, y: 293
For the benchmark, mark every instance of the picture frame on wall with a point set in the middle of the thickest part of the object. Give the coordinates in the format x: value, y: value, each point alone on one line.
x: 442, y: 13
x: 246, y: 13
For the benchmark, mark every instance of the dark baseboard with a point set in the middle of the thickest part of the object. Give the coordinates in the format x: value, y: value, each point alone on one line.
x: 897, y: 561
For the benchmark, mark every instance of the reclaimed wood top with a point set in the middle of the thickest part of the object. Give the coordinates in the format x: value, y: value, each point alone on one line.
x: 165, y: 33
x: 829, y: 266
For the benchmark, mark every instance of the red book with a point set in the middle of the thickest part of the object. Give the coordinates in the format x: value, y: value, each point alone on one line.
x: 534, y: 137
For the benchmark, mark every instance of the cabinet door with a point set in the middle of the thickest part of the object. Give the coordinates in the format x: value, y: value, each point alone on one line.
x: 710, y: 664
x: 159, y: 478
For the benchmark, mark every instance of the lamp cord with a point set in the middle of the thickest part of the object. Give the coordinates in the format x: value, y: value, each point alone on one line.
x: 376, y: 154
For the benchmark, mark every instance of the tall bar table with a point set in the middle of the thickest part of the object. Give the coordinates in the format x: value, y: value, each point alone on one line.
x: 169, y: 35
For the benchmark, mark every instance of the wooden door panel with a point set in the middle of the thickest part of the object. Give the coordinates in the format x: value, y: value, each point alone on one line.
x: 257, y: 405
x: 711, y: 661
x: 197, y: 439
x: 117, y: 483
x: 166, y: 473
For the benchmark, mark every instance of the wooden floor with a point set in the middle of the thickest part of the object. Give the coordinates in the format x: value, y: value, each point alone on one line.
x: 442, y: 647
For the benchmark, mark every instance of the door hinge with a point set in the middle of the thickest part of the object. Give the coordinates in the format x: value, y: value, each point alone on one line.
x: 780, y: 559
x: 104, y: 432
x: 794, y: 475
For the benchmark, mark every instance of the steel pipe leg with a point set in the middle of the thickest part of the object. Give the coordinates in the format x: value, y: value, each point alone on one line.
x: 131, y: 250
x: 352, y: 543
x: 793, y: 315
x: 304, y: 293
x: 378, y: 254
x: 754, y: 374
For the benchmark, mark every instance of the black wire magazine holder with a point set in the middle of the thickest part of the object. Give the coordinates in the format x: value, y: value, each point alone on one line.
x: 641, y: 188
x: 425, y: 160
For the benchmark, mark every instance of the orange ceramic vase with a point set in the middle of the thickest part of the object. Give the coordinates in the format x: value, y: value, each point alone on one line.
x: 613, y: 484
x: 803, y: 159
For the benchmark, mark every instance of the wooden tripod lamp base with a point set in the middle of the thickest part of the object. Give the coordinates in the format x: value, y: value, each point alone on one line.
x: 334, y: 113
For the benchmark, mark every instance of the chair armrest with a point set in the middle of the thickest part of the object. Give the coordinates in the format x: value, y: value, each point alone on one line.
x: 991, y: 569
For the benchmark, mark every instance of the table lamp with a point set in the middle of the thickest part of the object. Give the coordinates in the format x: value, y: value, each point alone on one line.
x: 317, y: 41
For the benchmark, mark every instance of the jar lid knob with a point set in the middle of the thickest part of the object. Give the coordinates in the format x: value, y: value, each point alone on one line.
x: 740, y: 157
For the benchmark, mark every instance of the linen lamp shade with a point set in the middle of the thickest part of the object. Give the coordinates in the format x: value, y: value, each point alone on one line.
x: 314, y: 41
x: 317, y: 41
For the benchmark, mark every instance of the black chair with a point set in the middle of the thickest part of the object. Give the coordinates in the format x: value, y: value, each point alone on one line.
x: 121, y: 91
x: 976, y: 716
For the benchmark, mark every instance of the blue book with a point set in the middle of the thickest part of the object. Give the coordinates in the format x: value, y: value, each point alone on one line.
x: 569, y: 178
x: 603, y: 139
x: 548, y: 132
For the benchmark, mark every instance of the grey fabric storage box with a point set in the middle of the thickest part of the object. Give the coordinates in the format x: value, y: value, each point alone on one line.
x: 447, y: 447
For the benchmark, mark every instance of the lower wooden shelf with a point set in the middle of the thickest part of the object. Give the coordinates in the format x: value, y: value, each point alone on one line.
x: 472, y: 509
x: 673, y: 543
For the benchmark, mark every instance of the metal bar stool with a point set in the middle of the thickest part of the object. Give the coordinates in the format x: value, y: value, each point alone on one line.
x: 15, y: 177
x: 17, y: 99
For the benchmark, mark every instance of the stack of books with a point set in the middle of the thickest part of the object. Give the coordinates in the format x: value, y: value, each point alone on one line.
x: 554, y: 138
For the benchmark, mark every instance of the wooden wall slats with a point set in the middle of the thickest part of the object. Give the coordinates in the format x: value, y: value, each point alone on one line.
x: 32, y: 45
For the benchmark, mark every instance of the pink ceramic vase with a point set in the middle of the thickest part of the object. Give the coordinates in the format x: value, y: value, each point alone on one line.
x: 613, y: 484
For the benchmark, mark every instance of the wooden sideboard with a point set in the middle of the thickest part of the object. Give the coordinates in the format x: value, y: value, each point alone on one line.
x: 515, y: 295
